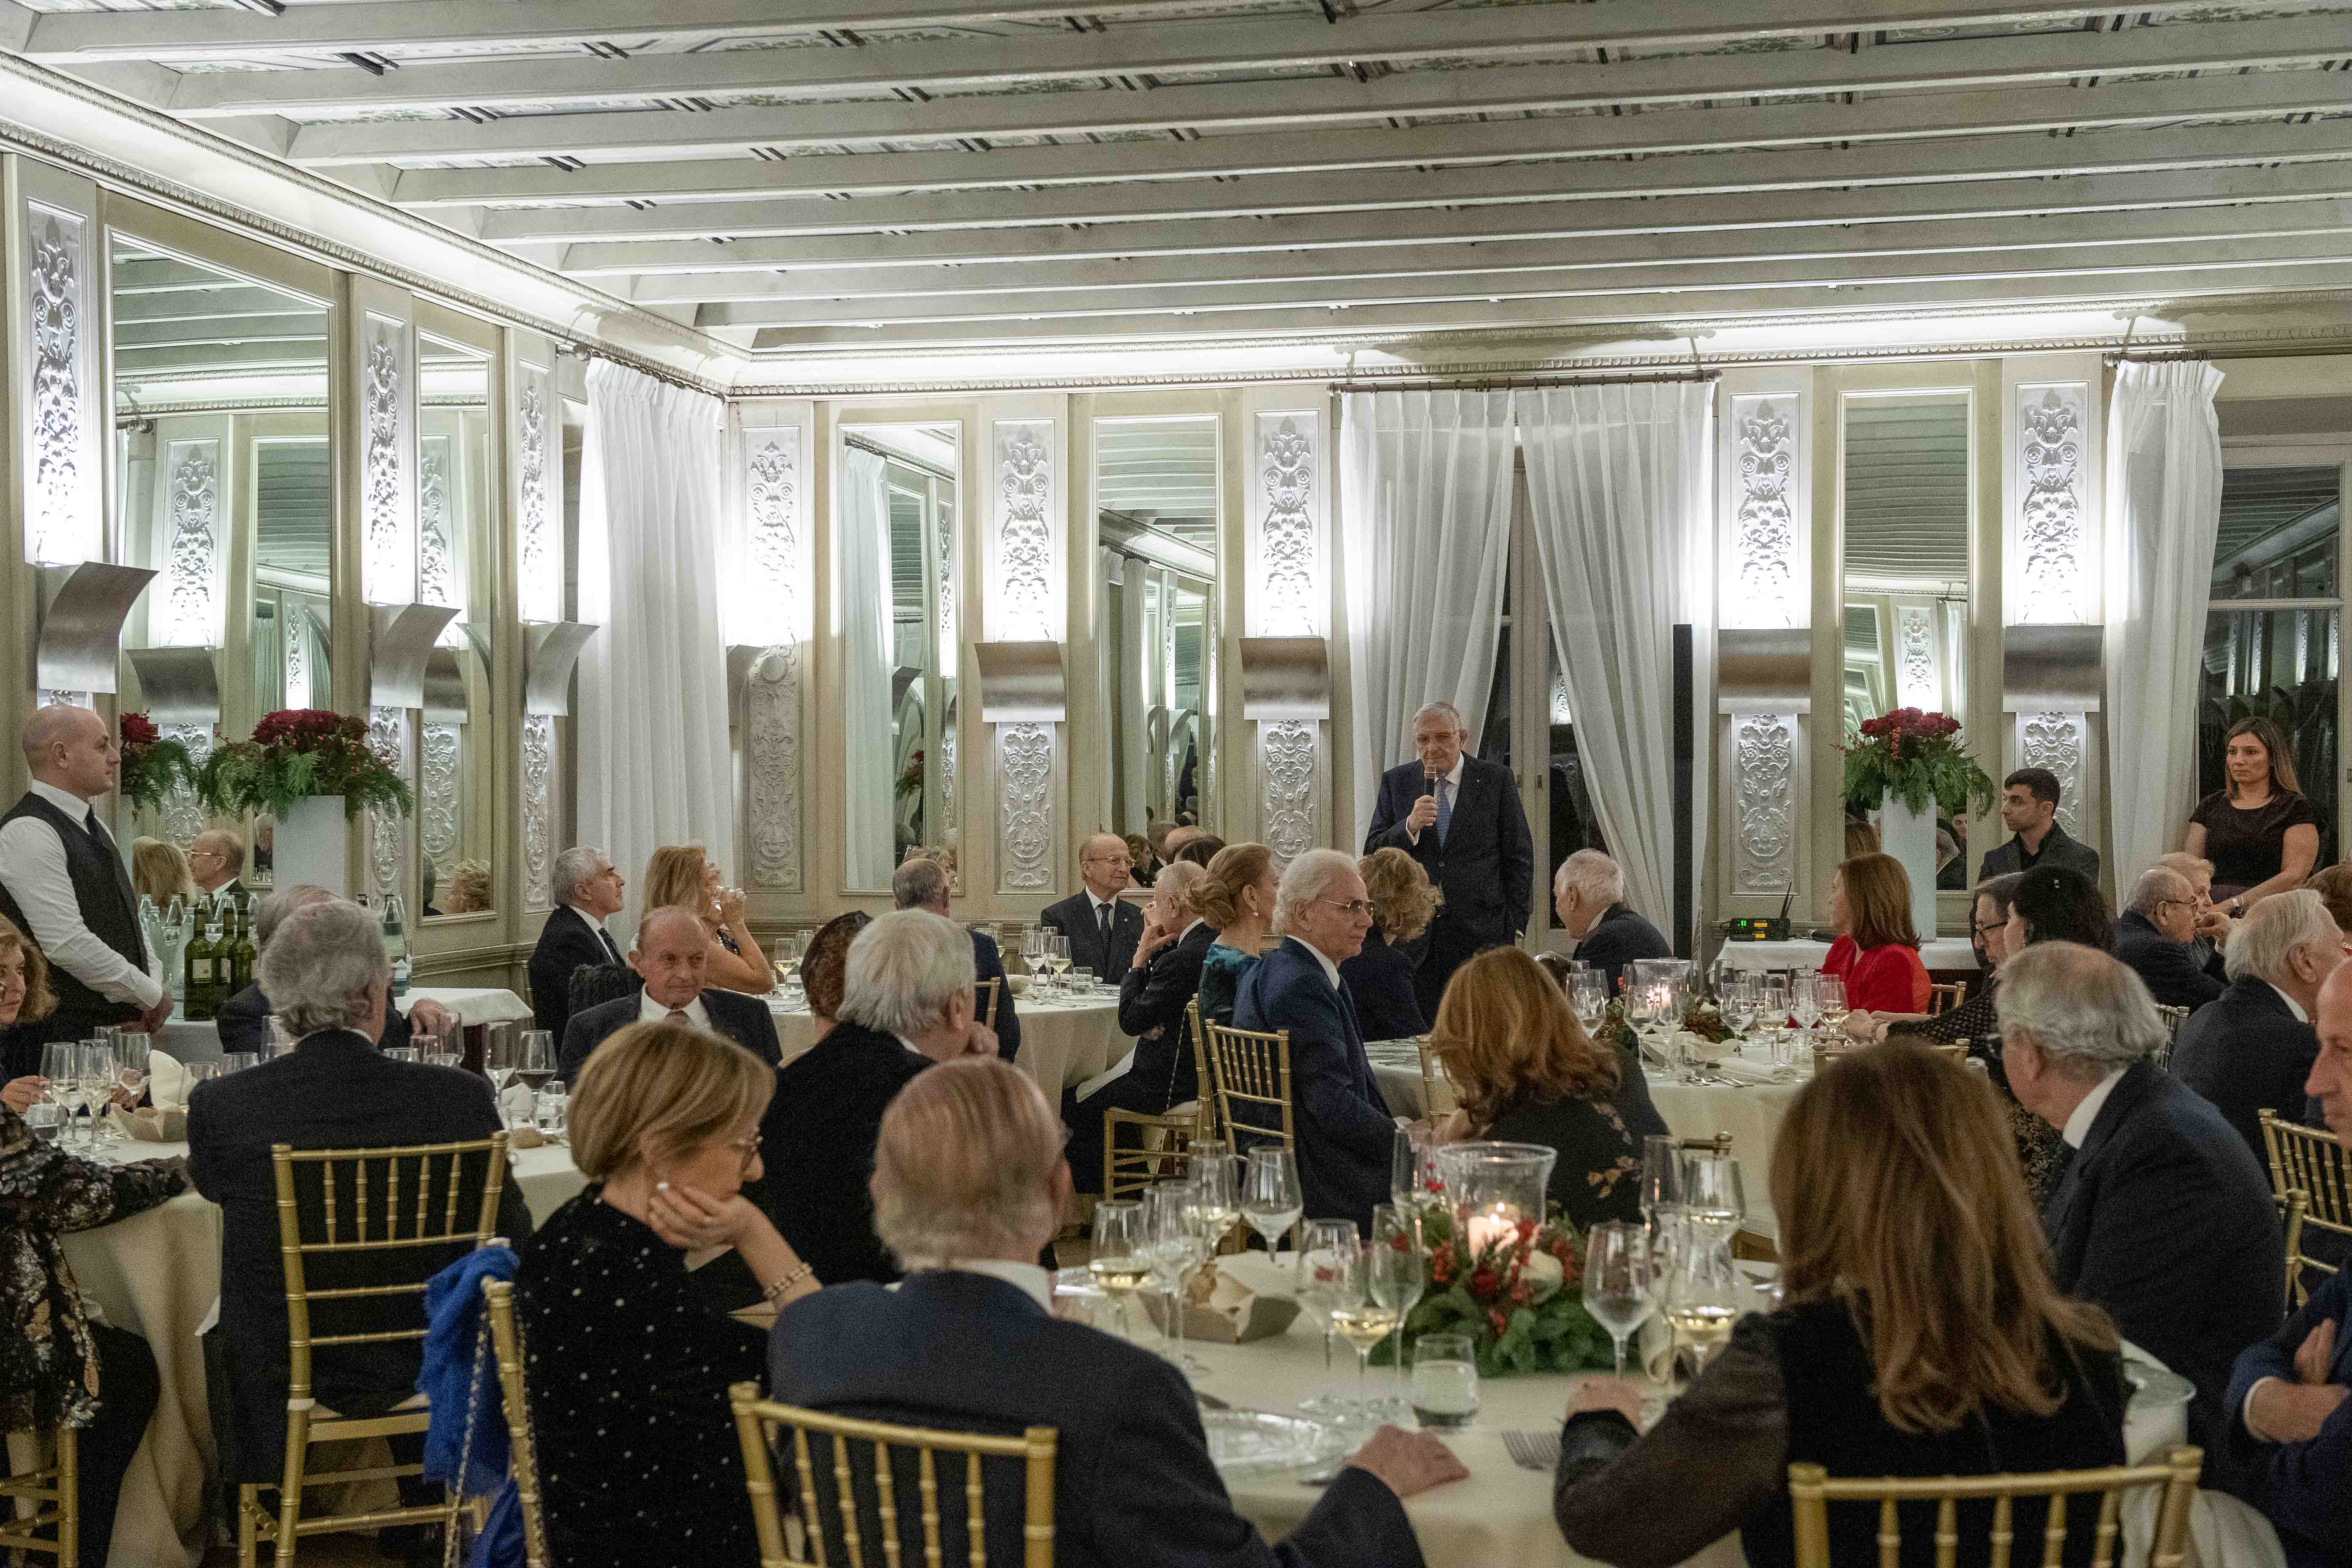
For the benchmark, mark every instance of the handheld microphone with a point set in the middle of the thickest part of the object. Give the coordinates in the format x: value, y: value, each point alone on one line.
x: 1428, y: 783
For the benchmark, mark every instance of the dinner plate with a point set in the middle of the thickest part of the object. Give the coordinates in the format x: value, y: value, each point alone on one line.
x: 1244, y: 1441
x: 2154, y: 1387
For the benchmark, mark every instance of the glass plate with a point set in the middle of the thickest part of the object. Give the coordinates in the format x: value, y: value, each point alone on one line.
x: 1243, y: 1441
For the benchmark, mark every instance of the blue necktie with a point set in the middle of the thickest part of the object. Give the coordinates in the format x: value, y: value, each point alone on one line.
x: 1444, y: 808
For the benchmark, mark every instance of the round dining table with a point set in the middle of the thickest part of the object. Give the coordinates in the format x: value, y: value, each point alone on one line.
x: 1063, y: 1041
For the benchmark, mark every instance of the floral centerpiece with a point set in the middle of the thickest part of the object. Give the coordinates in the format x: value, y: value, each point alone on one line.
x: 1919, y: 759
x: 1701, y: 1018
x: 1515, y: 1295
x: 152, y: 766
x: 296, y: 754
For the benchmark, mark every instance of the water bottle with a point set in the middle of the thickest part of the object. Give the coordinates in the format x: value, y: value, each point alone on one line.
x: 395, y: 944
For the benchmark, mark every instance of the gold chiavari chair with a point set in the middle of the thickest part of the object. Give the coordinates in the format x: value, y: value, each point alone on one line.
x: 1206, y: 1100
x: 2173, y: 1018
x: 2297, y: 1202
x: 985, y: 995
x: 425, y: 1224
x: 1157, y: 1152
x: 856, y: 1506
x: 1251, y: 1068
x: 52, y: 1489
x: 2310, y: 1161
x: 1947, y: 998
x: 1438, y: 1095
x: 1811, y: 1490
x: 506, y: 1339
x: 1718, y: 1144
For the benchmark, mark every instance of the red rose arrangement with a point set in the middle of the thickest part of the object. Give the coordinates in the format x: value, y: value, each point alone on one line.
x: 151, y: 766
x: 1916, y: 757
x: 1516, y: 1296
x: 296, y: 754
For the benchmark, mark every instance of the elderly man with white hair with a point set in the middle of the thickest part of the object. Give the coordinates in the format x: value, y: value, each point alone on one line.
x: 243, y: 1021
x: 1346, y: 1134
x: 905, y: 1002
x: 922, y: 883
x: 585, y: 888
x: 2156, y: 938
x: 2162, y: 1215
x: 2251, y: 1051
x: 1588, y: 891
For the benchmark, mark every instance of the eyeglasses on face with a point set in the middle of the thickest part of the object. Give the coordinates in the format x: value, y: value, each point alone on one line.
x: 1353, y: 906
x: 1989, y: 929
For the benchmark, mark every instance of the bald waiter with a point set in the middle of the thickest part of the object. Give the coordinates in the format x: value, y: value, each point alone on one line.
x: 64, y: 884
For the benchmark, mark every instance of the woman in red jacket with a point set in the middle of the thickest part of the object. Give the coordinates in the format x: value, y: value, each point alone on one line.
x: 1877, y: 953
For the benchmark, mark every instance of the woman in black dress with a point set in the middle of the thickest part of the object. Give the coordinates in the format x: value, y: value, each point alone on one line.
x: 626, y: 1363
x: 1379, y: 978
x: 2259, y: 831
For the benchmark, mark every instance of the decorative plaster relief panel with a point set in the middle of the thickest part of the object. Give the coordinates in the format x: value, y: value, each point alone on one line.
x: 1286, y: 591
x: 184, y: 814
x: 61, y: 456
x: 2058, y: 741
x: 1289, y: 753
x: 538, y: 531
x: 1918, y: 682
x: 387, y: 498
x: 438, y: 806
x: 772, y: 755
x: 1026, y: 765
x: 1764, y: 802
x: 774, y: 615
x: 192, y: 593
x: 2049, y: 541
x: 538, y: 809
x: 1766, y: 566
x: 1026, y: 589
x: 388, y: 832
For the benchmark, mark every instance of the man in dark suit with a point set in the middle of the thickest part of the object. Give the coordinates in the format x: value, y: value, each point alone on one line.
x: 1345, y: 1132
x: 922, y: 884
x: 673, y: 957
x: 325, y: 966
x: 970, y: 1183
x: 243, y: 1021
x: 905, y: 1002
x: 2252, y: 1050
x: 1460, y: 817
x: 2029, y: 809
x: 2155, y: 937
x: 1588, y: 891
x: 1103, y: 928
x: 2161, y: 1216
x: 1163, y: 1071
x: 215, y: 859
x: 587, y: 889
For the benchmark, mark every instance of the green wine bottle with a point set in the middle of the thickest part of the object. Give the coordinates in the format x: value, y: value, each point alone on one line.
x: 242, y: 959
x: 199, y: 999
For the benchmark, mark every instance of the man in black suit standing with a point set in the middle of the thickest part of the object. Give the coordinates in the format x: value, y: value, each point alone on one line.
x: 2162, y: 1218
x: 1460, y: 817
x: 673, y: 958
x: 587, y: 890
x: 1103, y: 928
x: 2252, y: 1050
x: 326, y: 971
x: 1588, y: 891
x: 2155, y: 939
x: 968, y: 1183
x: 922, y: 884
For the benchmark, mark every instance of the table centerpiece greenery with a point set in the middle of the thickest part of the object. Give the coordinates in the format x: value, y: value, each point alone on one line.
x: 296, y: 754
x: 1516, y: 1296
x: 1919, y: 758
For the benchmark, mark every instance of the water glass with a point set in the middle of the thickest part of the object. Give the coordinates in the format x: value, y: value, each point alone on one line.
x: 1272, y: 1199
x: 1619, y: 1285
x: 1445, y: 1382
x: 199, y: 1072
x: 46, y: 1119
x: 400, y: 1053
x: 1712, y: 1193
x: 550, y: 1106
x: 237, y: 1061
x: 1661, y: 1176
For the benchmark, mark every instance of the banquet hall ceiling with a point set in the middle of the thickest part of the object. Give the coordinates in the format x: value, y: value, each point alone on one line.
x: 815, y: 177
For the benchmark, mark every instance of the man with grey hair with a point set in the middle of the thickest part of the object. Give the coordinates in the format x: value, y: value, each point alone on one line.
x: 672, y: 956
x: 1102, y: 927
x: 906, y: 1002
x: 2152, y: 938
x: 244, y: 1019
x: 2162, y: 1215
x: 2251, y: 1051
x: 1461, y: 818
x: 1589, y: 892
x: 1345, y: 1133
x: 585, y: 887
x: 922, y: 883
x: 325, y: 968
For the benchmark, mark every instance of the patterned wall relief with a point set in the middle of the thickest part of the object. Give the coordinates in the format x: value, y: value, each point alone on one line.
x: 388, y: 831
x: 538, y: 809
x: 2050, y: 546
x: 184, y: 814
x: 2057, y: 741
x: 1025, y: 764
x: 771, y: 757
x: 1027, y: 559
x: 1764, y: 578
x: 1917, y: 679
x: 538, y: 531
x: 775, y: 614
x: 1286, y: 766
x: 191, y: 591
x: 437, y: 579
x: 388, y: 545
x: 1289, y: 579
x: 62, y: 520
x: 438, y: 799
x: 1764, y: 802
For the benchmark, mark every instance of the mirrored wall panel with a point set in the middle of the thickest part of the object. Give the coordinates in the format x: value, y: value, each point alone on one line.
x: 455, y: 749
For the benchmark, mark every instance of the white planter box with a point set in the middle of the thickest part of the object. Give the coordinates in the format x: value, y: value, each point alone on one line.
x: 1910, y: 838
x: 313, y: 845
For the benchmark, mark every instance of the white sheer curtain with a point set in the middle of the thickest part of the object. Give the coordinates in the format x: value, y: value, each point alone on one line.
x: 1618, y: 494
x: 655, y: 767
x: 1425, y: 525
x: 2164, y: 511
x: 867, y: 655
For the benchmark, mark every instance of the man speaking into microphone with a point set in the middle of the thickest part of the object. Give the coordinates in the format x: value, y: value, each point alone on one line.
x: 1460, y: 817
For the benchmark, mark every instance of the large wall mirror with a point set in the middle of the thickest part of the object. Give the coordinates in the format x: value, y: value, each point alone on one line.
x: 896, y: 510
x: 456, y: 749
x: 1156, y: 491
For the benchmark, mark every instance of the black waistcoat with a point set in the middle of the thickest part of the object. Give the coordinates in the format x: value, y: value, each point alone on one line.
x: 102, y: 887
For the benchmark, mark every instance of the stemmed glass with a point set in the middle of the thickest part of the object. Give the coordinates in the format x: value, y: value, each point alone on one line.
x: 1121, y: 1264
x: 1272, y: 1200
x: 1704, y: 1295
x: 1398, y: 1276
x: 1176, y: 1248
x: 1772, y: 1015
x: 1588, y: 997
x: 1323, y: 1263
x: 787, y: 961
x: 1619, y: 1284
x: 1713, y: 1197
x: 501, y: 1059
x: 535, y: 1064
x: 58, y: 1063
x: 1362, y: 1317
x: 1739, y: 1002
x: 1829, y: 997
x: 1057, y: 955
x: 131, y: 1067
x: 94, y: 1074
x: 1662, y: 1178
x: 1806, y: 1005
x: 1215, y: 1184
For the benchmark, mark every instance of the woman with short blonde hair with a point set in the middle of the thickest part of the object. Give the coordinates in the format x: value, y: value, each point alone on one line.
x: 469, y: 887
x: 682, y: 875
x: 1379, y: 977
x: 159, y: 871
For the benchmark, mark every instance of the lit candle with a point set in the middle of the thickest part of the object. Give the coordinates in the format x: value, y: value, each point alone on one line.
x: 1496, y: 1225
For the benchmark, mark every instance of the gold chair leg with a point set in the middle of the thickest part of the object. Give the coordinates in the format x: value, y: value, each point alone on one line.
x: 68, y: 1497
x: 289, y: 1496
x: 248, y: 1499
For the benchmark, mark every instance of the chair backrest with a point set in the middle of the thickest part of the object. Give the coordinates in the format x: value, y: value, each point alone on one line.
x: 1161, y: 1152
x: 2161, y: 1057
x: 986, y: 994
x: 1438, y: 1095
x: 1811, y: 1490
x: 1205, y: 1088
x: 1251, y: 1068
x: 593, y: 985
x: 2296, y: 1201
x: 506, y: 1339
x: 1947, y: 998
x: 865, y: 1501
x: 1718, y: 1144
x: 378, y: 1223
x: 2309, y: 1160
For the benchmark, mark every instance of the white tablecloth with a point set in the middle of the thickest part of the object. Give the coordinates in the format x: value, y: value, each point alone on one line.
x: 192, y: 1040
x: 1936, y: 953
x: 1062, y: 1043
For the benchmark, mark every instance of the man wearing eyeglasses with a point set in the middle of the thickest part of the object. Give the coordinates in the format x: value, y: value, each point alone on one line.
x: 2153, y: 937
x: 1103, y: 928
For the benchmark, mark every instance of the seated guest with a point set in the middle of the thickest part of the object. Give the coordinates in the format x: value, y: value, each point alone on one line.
x: 216, y: 861
x: 243, y: 1020
x: 2259, y: 831
x: 1345, y: 1133
x: 628, y: 1356
x: 2154, y: 937
x: 586, y: 888
x: 1528, y: 1073
x: 2251, y: 1051
x: 682, y: 876
x: 1237, y: 901
x: 2054, y: 904
x: 1872, y: 1365
x: 824, y: 967
x: 1379, y: 978
x: 906, y: 1003
x: 325, y: 970
x: 2290, y: 1423
x: 2334, y: 885
x: 58, y: 1366
x: 2212, y: 925
x: 671, y: 956
x: 922, y: 883
x: 1143, y: 853
x: 2029, y: 809
x: 159, y: 871
x: 2162, y: 1218
x: 1877, y: 952
x: 1589, y: 892
x: 1178, y: 838
x: 1103, y: 928
x: 469, y: 889
x: 1200, y: 848
x: 1161, y: 1073
x: 969, y: 1185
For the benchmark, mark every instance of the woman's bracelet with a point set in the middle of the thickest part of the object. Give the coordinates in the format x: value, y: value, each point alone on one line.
x: 781, y: 1286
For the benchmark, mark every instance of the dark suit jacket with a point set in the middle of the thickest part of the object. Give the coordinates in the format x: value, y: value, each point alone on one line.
x: 568, y: 941
x: 333, y: 1091
x: 971, y: 1351
x: 2163, y: 1219
x: 2305, y: 1489
x: 1618, y: 937
x: 1345, y: 1133
x: 817, y: 1141
x: 742, y: 1019
x: 990, y: 963
x: 2057, y: 850
x: 244, y: 1024
x: 2176, y: 977
x: 1486, y: 866
x: 1380, y: 981
x: 1151, y: 1002
x: 1074, y: 917
x: 2247, y: 1053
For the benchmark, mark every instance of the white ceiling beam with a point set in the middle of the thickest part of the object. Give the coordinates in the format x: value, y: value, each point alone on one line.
x: 1297, y: 152
x: 1982, y: 62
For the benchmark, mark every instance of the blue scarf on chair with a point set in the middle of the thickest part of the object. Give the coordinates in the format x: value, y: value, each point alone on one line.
x: 453, y: 1318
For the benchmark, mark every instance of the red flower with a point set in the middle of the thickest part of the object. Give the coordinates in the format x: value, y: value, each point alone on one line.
x: 1522, y: 1294
x: 1527, y: 1229
x: 138, y: 729
x: 1483, y: 1284
x: 1502, y: 1325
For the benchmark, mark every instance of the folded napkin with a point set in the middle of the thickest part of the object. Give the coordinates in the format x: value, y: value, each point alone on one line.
x: 151, y: 1126
x: 1221, y: 1309
x: 1740, y: 1070
x: 167, y: 1082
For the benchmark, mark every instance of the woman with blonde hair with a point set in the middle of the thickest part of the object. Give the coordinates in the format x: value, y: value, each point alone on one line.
x: 1528, y: 1073
x: 629, y: 1357
x: 469, y: 887
x: 1877, y: 952
x: 159, y: 871
x: 1919, y: 1335
x: 1379, y: 977
x: 1237, y: 901
x: 682, y: 875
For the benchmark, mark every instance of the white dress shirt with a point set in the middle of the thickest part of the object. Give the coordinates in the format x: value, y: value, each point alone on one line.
x: 2078, y: 1126
x: 1453, y: 782
x: 1331, y: 969
x: 2292, y: 1005
x: 596, y: 929
x: 1033, y: 1281
x: 33, y: 865
x: 652, y: 1012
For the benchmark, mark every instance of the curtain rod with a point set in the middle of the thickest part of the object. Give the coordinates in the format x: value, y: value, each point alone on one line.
x: 1517, y: 382
x: 643, y: 367
x: 888, y: 456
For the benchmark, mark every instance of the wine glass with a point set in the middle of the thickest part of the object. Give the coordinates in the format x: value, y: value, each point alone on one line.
x: 787, y: 959
x: 534, y: 1063
x: 1805, y: 1003
x: 1829, y: 998
x: 1272, y: 1200
x: 1362, y: 1318
x: 1712, y: 1193
x: 1323, y: 1257
x: 1215, y: 1194
x: 94, y: 1073
x: 1121, y: 1264
x: 1404, y: 1168
x: 1398, y: 1277
x: 1176, y: 1248
x: 1703, y: 1294
x: 1618, y: 1281
x: 1661, y: 1177
x: 1738, y: 1004
x: 1772, y: 1015
x: 1058, y: 956
x: 1588, y: 997
x: 130, y: 1054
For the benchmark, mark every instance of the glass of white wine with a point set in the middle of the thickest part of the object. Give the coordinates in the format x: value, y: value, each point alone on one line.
x: 1323, y: 1254
x: 1399, y: 1277
x: 1271, y: 1197
x: 1121, y: 1264
x: 1362, y: 1318
x: 1619, y: 1287
x: 1704, y: 1295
